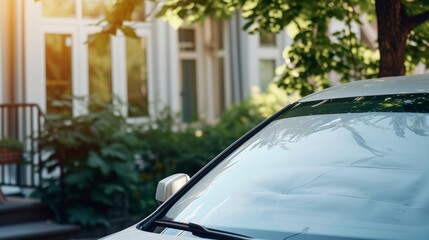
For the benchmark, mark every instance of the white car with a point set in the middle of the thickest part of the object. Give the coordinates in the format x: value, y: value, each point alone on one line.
x: 349, y: 162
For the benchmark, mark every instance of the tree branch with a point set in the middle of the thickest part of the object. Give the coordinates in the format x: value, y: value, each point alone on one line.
x: 416, y: 20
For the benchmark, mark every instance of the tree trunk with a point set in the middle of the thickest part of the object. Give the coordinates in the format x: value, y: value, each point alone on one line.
x: 392, y: 37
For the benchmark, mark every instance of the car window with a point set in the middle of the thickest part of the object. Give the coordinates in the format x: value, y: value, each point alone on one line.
x: 357, y: 173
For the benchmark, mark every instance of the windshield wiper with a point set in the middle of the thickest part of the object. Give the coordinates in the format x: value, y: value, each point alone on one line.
x: 201, y: 231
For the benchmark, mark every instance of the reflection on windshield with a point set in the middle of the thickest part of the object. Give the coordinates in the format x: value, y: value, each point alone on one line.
x: 412, y: 103
x: 359, y: 175
x: 416, y: 123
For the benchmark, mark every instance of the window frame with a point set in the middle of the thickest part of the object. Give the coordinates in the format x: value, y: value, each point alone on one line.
x: 79, y: 28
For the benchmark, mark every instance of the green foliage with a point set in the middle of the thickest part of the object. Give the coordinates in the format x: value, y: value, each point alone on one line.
x: 316, y: 51
x: 313, y: 53
x: 12, y: 144
x: 122, y: 11
x: 96, y: 154
x: 418, y: 43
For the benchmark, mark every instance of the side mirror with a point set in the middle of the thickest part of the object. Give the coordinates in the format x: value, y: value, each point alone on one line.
x: 169, y: 186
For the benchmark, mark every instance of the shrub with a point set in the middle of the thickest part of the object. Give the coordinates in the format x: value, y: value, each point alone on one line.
x: 95, y: 154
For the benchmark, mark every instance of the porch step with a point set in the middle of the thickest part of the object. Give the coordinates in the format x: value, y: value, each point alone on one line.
x: 20, y: 210
x: 38, y: 230
x: 22, y: 218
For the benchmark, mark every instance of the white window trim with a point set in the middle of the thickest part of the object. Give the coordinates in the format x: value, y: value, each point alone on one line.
x: 35, y: 90
x: 165, y: 67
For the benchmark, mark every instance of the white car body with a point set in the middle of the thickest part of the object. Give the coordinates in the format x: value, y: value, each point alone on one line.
x: 377, y: 87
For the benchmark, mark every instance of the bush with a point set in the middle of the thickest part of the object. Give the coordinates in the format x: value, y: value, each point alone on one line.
x: 95, y: 154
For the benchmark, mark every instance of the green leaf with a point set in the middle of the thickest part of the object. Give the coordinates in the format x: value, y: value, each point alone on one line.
x: 129, y: 32
x: 162, y: 12
x: 112, y: 188
x: 80, y: 179
x: 101, y: 198
x: 86, y: 216
x: 122, y: 168
x: 95, y: 161
x: 117, y: 151
x: 182, y: 13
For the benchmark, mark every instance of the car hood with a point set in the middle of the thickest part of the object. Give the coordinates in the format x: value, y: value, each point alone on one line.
x: 132, y: 233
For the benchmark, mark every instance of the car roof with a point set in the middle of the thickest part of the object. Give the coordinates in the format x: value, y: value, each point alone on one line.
x: 374, y: 87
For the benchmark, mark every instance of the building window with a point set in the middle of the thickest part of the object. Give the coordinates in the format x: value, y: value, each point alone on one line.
x: 203, y: 70
x: 219, y: 37
x: 96, y: 8
x: 99, y: 8
x: 89, y: 9
x: 219, y: 68
x: 187, y: 40
x: 100, y: 70
x: 189, y: 90
x: 267, y: 40
x: 58, y: 67
x: 269, y: 56
x: 137, y: 77
x: 56, y: 8
x: 221, y: 87
x: 189, y: 58
x: 266, y: 73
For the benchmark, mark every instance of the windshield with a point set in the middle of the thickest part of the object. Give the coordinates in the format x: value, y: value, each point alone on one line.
x: 353, y: 169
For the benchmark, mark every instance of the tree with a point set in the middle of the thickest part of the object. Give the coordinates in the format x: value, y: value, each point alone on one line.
x: 403, y: 34
x: 395, y: 24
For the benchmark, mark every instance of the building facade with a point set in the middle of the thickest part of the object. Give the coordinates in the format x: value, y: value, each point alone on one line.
x: 47, y: 50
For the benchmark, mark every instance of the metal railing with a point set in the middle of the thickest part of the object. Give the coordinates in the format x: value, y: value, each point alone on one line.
x: 23, y: 122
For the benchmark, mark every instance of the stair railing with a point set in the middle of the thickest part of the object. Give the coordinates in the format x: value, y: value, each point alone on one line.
x: 22, y: 121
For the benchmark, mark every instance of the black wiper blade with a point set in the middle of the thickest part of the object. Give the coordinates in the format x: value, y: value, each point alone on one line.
x: 201, y: 231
